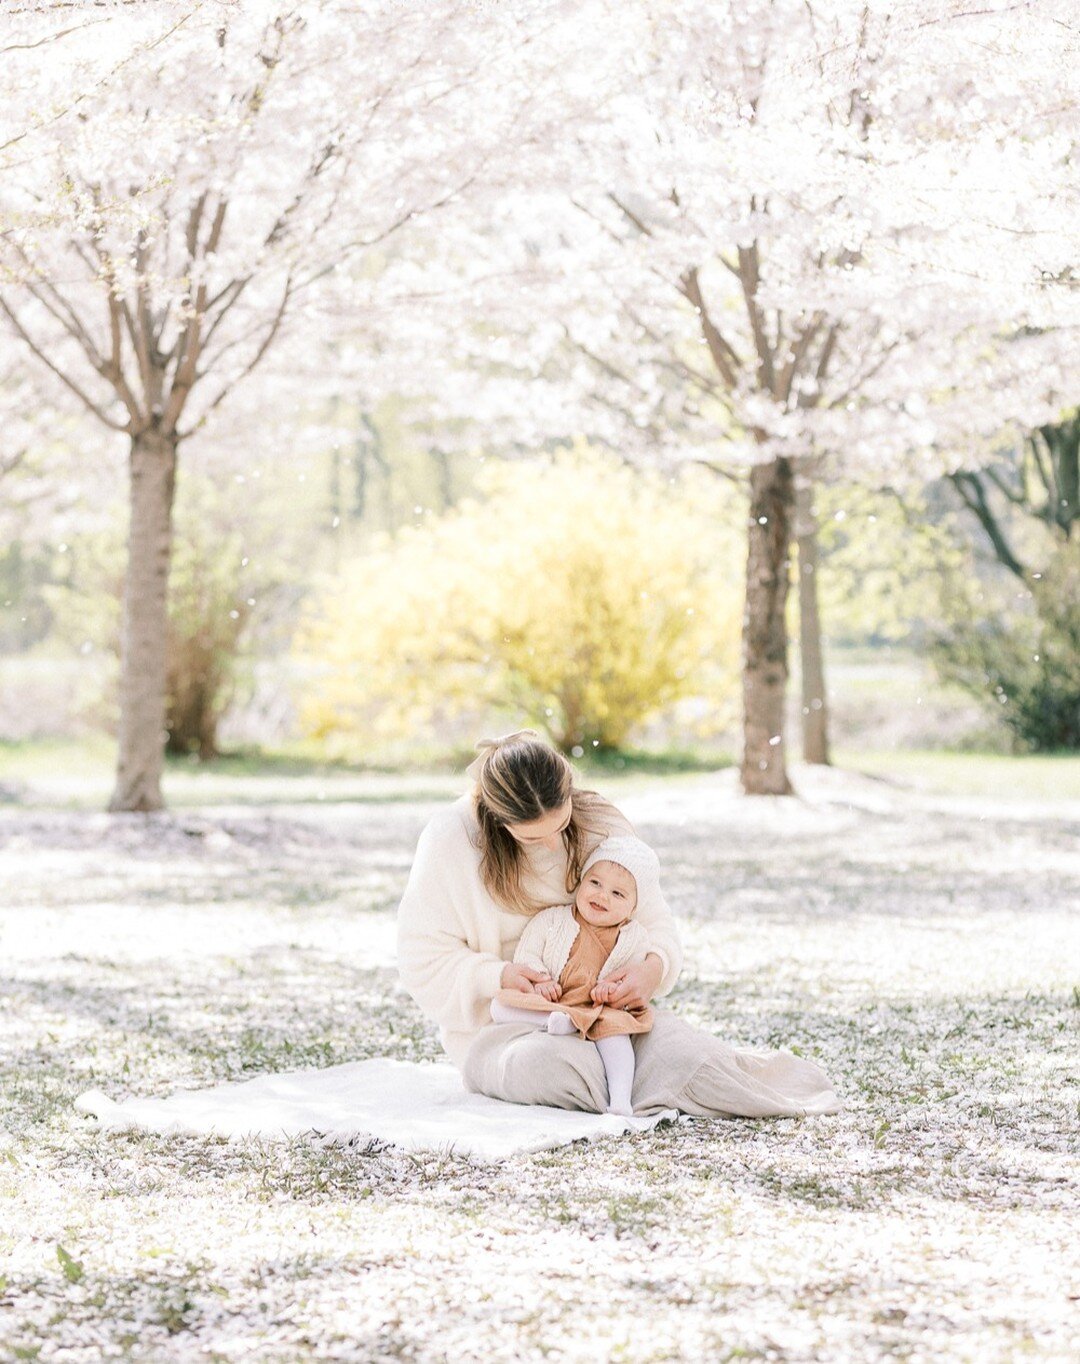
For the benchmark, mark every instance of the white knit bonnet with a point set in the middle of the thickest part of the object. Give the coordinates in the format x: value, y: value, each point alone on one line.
x: 639, y: 860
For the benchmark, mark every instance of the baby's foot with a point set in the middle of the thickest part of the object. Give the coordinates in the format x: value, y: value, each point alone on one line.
x: 560, y: 1024
x: 622, y: 1110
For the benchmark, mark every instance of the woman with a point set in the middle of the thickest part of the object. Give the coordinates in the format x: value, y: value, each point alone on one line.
x: 515, y: 845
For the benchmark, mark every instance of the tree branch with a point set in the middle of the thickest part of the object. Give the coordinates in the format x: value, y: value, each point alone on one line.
x: 142, y: 335
x: 1046, y: 476
x: 69, y: 383
x: 57, y: 307
x: 750, y: 278
x: 9, y: 463
x: 49, y: 37
x: 706, y: 382
x: 630, y: 215
x: 740, y: 480
x: 595, y: 217
x: 825, y: 358
x: 973, y: 496
x: 399, y: 222
x: 1018, y: 499
x: 798, y: 354
x: 267, y: 340
x: 86, y: 94
x: 724, y: 356
x: 864, y: 377
x: 190, y: 348
x: 598, y: 360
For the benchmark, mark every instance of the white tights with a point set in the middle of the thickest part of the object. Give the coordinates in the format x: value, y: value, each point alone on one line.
x: 617, y: 1053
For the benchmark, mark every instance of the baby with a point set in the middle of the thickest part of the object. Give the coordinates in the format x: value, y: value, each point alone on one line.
x: 578, y: 947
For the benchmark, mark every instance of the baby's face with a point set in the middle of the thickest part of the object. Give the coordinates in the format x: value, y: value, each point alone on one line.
x: 607, y: 895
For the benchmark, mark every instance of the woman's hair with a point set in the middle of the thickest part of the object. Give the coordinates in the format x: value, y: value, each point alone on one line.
x: 519, y: 780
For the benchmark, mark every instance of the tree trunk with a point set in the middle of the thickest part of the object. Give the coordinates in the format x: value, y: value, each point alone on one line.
x: 815, y: 711
x: 772, y: 501
x: 145, y: 624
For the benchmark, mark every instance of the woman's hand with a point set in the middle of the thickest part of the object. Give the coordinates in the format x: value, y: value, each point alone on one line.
x: 523, y: 978
x: 633, y: 986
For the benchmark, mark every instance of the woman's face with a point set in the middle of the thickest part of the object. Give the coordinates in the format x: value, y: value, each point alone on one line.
x: 545, y: 832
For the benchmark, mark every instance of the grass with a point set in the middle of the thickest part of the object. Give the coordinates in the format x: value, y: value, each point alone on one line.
x: 78, y: 774
x: 664, y: 763
x: 997, y: 776
x: 916, y: 945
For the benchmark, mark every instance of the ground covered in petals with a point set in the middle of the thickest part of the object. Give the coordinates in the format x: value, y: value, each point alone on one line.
x: 921, y: 946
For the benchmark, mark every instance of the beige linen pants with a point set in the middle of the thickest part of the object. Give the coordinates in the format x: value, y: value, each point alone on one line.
x: 677, y: 1067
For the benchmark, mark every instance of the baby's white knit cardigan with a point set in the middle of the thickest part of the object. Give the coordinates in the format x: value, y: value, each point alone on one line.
x: 547, y: 938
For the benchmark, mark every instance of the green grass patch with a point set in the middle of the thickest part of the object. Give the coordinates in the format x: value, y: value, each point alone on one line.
x: 79, y: 773
x: 993, y: 776
x: 91, y: 756
x: 660, y: 763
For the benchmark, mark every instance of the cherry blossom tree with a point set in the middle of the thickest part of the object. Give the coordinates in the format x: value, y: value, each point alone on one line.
x: 800, y: 239
x: 48, y: 70
x: 180, y: 220
x: 798, y: 182
x: 789, y: 238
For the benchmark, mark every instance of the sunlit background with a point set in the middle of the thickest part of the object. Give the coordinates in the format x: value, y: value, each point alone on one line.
x: 478, y: 367
x: 695, y: 382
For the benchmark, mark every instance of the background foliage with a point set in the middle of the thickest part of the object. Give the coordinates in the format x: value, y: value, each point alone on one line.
x: 580, y: 593
x: 226, y: 572
x: 1025, y: 664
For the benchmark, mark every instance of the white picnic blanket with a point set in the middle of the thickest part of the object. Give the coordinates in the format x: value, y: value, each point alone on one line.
x: 413, y: 1106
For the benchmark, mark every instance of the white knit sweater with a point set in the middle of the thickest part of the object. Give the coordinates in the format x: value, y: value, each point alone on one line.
x: 454, y: 940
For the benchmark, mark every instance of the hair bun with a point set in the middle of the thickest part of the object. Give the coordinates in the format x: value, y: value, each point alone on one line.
x: 486, y: 746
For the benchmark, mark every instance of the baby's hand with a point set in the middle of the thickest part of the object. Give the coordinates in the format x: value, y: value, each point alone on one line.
x: 601, y: 991
x: 550, y: 989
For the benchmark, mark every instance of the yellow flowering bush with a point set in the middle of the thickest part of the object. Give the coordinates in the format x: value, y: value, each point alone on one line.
x: 576, y: 592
